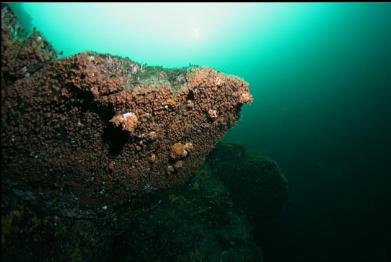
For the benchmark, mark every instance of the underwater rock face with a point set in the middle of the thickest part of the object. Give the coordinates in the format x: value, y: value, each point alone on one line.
x: 202, y: 220
x: 94, y: 131
x: 192, y: 222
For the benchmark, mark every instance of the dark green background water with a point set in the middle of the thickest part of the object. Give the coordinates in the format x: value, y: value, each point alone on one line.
x: 320, y: 75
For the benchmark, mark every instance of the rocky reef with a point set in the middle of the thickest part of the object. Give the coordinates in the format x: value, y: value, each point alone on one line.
x: 107, y: 159
x: 95, y: 131
x: 202, y: 220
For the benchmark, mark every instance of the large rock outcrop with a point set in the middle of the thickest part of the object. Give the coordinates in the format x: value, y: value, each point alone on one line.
x: 95, y: 131
x: 87, y: 139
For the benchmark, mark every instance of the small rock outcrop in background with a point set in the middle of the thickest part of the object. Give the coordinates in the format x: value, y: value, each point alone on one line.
x: 259, y: 175
x: 254, y: 181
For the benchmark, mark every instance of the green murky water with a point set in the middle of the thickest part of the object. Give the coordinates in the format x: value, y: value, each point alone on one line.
x: 320, y: 74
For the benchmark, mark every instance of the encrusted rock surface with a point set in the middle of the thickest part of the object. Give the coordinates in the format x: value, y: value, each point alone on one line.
x: 202, y: 220
x: 94, y: 131
x: 21, y: 55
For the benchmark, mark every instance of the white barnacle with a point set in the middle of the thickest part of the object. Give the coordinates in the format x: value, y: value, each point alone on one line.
x: 127, y: 115
x: 128, y: 121
x: 135, y: 69
x: 218, y: 81
x: 212, y: 113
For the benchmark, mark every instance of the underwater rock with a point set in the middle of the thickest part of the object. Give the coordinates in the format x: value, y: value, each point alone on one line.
x: 253, y: 179
x: 95, y: 130
x: 201, y: 220
x: 196, y: 221
x: 255, y: 182
x: 21, y: 55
